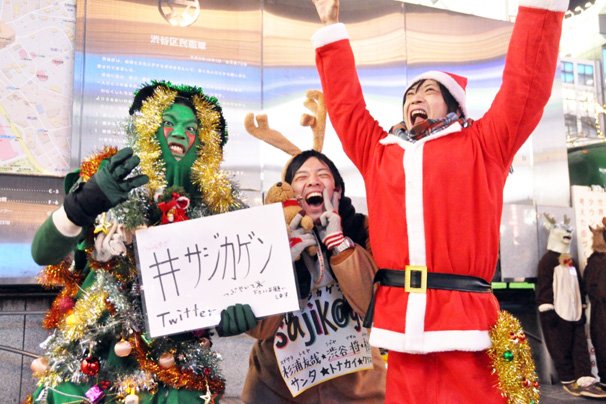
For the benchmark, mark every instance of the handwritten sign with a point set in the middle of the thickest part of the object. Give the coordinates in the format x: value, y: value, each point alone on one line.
x: 322, y: 341
x: 589, y: 209
x: 191, y: 270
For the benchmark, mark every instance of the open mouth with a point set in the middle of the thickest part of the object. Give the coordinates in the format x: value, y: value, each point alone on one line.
x: 417, y: 114
x: 177, y: 150
x: 314, y: 199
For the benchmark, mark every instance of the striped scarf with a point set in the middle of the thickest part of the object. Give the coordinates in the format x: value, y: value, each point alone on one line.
x: 429, y: 126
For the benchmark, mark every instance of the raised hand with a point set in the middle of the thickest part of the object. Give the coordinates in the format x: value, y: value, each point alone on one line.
x: 330, y: 229
x: 107, y: 188
x: 328, y: 11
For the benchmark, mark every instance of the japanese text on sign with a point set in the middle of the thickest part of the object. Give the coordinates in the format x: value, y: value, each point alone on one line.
x: 193, y: 269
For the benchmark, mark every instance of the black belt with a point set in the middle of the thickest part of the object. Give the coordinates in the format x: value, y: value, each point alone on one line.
x: 416, y: 280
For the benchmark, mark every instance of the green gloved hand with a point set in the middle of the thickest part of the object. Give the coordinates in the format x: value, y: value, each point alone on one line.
x: 106, y: 189
x: 236, y: 319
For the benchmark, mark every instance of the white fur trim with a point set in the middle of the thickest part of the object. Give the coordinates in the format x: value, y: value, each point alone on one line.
x: 431, y: 341
x: 447, y: 81
x: 413, y: 167
x: 551, y: 5
x: 64, y: 225
x: 393, y: 139
x: 546, y: 307
x: 329, y: 34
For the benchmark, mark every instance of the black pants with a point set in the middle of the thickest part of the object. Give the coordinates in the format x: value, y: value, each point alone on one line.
x: 597, y: 329
x: 567, y: 344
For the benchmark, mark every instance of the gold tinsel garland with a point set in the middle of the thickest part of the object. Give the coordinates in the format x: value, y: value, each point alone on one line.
x: 87, y: 311
x: 90, y: 166
x: 206, y: 174
x: 173, y: 376
x: 512, y: 361
x: 146, y: 144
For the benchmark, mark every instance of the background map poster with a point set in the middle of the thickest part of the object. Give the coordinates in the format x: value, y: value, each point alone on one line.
x: 36, y: 93
x: 36, y: 82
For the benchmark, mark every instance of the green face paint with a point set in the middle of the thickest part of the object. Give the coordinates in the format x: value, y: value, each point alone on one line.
x: 179, y: 129
x: 178, y: 137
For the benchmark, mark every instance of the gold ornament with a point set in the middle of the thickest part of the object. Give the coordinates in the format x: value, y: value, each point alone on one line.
x: 131, y: 399
x: 39, y: 366
x: 512, y: 361
x: 123, y: 348
x: 166, y: 360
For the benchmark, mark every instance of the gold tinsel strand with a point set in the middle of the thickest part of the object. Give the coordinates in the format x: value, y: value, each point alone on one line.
x: 512, y: 361
x: 146, y: 144
x: 87, y: 311
x: 174, y: 376
x: 89, y: 167
x: 216, y: 188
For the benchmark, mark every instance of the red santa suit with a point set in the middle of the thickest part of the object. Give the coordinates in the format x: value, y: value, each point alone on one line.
x: 437, y: 203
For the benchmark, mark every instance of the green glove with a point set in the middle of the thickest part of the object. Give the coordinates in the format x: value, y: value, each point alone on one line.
x: 106, y: 189
x: 235, y: 320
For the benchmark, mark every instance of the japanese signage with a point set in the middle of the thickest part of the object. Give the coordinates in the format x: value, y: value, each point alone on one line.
x: 191, y: 270
x: 589, y: 209
x: 323, y: 341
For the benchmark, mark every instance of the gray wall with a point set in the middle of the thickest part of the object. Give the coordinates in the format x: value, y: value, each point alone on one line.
x: 22, y: 332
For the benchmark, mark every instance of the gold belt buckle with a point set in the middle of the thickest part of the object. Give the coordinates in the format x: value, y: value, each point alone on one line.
x: 422, y: 288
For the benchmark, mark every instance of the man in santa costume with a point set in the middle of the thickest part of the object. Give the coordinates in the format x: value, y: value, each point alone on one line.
x: 435, y: 195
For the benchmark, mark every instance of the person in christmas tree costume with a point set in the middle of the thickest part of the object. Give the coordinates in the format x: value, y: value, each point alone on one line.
x: 98, y: 350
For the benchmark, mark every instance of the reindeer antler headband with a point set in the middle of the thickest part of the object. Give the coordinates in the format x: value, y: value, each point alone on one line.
x: 317, y: 122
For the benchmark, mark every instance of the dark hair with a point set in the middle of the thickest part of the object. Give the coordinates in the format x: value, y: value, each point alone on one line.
x: 354, y: 224
x: 451, y: 104
x: 185, y: 96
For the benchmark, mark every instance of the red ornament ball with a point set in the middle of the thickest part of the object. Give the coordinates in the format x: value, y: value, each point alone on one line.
x: 66, y: 303
x: 90, y: 366
x: 207, y: 371
x: 105, y: 384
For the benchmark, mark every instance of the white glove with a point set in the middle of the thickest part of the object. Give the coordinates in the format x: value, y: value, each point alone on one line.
x: 330, y: 228
x: 111, y: 244
x: 299, y: 238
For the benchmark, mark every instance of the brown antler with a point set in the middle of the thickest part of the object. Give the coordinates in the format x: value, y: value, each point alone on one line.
x: 549, y: 218
x: 315, y: 103
x: 268, y: 135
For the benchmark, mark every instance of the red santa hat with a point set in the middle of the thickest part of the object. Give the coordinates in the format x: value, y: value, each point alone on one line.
x: 454, y: 83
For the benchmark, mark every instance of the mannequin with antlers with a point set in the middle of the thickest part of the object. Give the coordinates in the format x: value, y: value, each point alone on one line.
x: 595, y: 285
x: 338, y: 275
x: 561, y: 304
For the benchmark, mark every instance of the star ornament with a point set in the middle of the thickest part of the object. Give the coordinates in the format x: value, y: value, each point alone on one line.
x: 103, y: 226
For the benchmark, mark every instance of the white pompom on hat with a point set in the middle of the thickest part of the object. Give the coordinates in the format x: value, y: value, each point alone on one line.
x: 454, y: 83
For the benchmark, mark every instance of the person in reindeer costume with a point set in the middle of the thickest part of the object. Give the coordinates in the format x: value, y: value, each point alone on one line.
x: 98, y: 351
x: 334, y: 288
x: 561, y: 303
x: 595, y: 285
x: 434, y: 192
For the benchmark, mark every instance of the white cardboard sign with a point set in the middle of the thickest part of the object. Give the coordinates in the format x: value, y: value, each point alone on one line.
x: 323, y: 341
x: 191, y: 270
